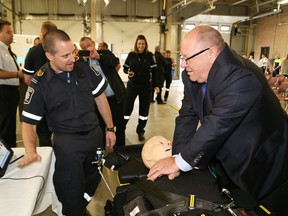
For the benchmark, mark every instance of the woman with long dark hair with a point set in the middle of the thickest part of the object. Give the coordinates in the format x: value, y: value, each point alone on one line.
x: 140, y: 66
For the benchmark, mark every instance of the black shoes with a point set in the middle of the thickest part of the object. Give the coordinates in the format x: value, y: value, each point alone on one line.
x: 161, y: 102
x: 141, y: 137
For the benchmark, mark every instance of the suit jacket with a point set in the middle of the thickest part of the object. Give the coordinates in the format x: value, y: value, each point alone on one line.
x: 245, y: 126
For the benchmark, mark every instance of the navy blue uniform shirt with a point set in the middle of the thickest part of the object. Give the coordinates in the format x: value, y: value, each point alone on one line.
x: 67, y: 99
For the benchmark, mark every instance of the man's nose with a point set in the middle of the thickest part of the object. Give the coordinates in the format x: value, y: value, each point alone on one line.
x: 183, y: 63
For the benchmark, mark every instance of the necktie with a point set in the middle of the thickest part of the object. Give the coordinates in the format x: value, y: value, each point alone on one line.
x: 203, y: 88
x: 14, y: 58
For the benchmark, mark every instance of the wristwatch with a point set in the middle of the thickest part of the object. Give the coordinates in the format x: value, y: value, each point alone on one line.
x: 112, y: 129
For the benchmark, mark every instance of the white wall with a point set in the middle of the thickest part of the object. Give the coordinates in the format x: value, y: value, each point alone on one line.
x: 121, y: 36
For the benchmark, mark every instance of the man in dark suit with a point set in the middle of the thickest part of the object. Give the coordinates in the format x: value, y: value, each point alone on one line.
x: 243, y: 125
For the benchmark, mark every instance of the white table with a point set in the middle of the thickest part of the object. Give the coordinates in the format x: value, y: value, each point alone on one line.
x: 28, y: 191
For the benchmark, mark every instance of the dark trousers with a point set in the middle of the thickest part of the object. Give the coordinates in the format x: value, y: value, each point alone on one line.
x: 9, y: 99
x: 117, y: 110
x: 75, y: 178
x: 43, y: 132
x: 168, y: 81
x: 144, y: 94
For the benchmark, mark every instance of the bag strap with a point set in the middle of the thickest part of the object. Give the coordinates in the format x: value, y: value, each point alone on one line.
x: 166, y: 196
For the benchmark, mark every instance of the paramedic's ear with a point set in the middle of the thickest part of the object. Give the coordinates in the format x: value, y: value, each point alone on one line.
x: 155, y: 149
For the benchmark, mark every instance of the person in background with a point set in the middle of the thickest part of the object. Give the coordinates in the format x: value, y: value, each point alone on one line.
x: 102, y: 46
x: 76, y: 50
x: 168, y: 73
x: 9, y: 82
x: 284, y: 67
x: 251, y: 57
x: 34, y: 60
x: 241, y: 119
x: 36, y: 41
x: 67, y: 92
x: 106, y: 63
x: 139, y: 66
x: 263, y: 63
x: 277, y: 65
x: 161, y: 67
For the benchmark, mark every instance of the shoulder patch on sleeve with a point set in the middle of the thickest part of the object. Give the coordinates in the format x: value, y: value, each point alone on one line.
x: 97, y: 73
x: 40, y: 73
x: 29, y: 94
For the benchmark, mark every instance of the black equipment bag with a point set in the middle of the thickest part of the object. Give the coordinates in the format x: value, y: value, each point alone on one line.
x: 167, y: 196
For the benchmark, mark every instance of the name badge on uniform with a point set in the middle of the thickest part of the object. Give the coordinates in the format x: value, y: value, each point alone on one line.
x: 29, y: 93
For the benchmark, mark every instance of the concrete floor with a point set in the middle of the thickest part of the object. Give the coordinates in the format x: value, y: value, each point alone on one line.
x: 161, y: 122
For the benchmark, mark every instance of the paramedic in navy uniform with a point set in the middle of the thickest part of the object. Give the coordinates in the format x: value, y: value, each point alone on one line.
x: 242, y: 122
x: 66, y: 91
x: 141, y: 68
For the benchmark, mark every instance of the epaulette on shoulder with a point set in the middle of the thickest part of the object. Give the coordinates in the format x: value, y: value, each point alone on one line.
x: 40, y: 73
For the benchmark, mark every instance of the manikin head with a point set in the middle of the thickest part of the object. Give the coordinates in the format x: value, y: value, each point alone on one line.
x: 155, y: 149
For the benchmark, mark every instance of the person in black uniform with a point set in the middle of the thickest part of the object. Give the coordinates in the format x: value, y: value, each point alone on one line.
x: 9, y: 82
x: 66, y: 92
x: 162, y: 67
x: 139, y: 65
x: 106, y: 63
x: 34, y: 60
x: 168, y: 73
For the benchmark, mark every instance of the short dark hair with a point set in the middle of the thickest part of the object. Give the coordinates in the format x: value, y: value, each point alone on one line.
x: 84, y: 38
x: 3, y: 23
x: 50, y: 37
x: 105, y: 45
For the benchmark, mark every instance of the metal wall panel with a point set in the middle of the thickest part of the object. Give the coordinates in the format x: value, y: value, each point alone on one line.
x: 32, y: 6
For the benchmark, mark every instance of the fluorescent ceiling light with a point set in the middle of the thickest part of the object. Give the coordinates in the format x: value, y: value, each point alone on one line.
x: 225, y: 28
x: 282, y: 2
x: 189, y: 26
x: 215, y: 27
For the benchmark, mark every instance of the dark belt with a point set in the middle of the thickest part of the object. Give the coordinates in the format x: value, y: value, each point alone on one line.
x: 81, y: 133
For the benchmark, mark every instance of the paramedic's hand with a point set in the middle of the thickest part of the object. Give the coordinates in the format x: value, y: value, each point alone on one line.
x: 110, y: 139
x: 29, y: 157
x: 165, y: 166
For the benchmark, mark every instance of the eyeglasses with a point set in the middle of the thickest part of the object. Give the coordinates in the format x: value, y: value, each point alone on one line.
x: 186, y: 59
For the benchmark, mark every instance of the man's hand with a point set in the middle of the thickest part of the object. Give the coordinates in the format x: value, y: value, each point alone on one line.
x: 20, y: 74
x: 165, y: 166
x: 29, y: 158
x: 110, y: 139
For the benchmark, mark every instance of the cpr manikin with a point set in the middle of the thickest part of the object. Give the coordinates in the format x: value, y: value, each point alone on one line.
x: 155, y: 149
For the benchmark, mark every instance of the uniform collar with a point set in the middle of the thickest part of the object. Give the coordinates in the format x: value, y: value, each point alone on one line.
x: 4, y: 45
x: 50, y: 72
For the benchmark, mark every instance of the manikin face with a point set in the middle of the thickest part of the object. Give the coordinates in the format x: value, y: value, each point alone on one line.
x: 141, y: 46
x: 155, y: 149
x: 64, y: 58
